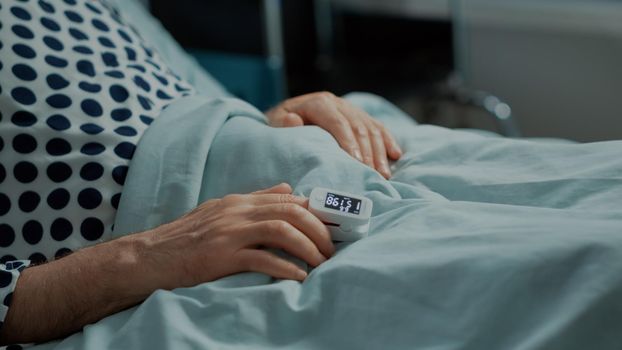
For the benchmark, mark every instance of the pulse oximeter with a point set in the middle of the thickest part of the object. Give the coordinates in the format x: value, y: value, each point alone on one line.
x: 345, y: 214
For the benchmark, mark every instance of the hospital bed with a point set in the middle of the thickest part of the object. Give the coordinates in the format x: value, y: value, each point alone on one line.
x: 476, y: 242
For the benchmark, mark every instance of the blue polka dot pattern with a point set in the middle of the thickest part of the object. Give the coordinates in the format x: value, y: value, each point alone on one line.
x: 58, y: 147
x: 5, y: 278
x: 163, y: 95
x: 85, y: 67
x: 91, y: 171
x: 88, y: 87
x: 24, y: 143
x: 89, y: 198
x: 141, y: 83
x: 23, y: 118
x: 126, y: 131
x: 125, y: 36
x: 92, y: 228
x: 59, y: 172
x: 145, y: 102
x: 59, y: 101
x: 119, y: 174
x: 22, y: 32
x: 92, y: 148
x: 24, y: 51
x: 138, y: 67
x: 100, y: 25
x: 106, y: 42
x: 28, y: 201
x: 32, y: 231
x: 115, y: 74
x: 25, y: 172
x: 91, y: 107
x: 79, y: 87
x: 46, y: 6
x: 61, y: 229
x: 58, y: 122
x: 50, y: 24
x: 23, y: 95
x: 77, y: 34
x: 20, y: 13
x: 118, y: 93
x: 8, y: 235
x: 24, y: 72
x: 58, y: 198
x: 53, y: 43
x: 125, y: 150
x: 114, y: 201
x: 55, y: 61
x: 131, y: 54
x: 121, y: 114
x: 56, y: 82
x: 110, y: 59
x: 5, y: 204
x: 146, y: 119
x: 73, y: 16
x: 82, y: 49
x: 93, y: 8
x: 37, y: 258
x: 61, y: 253
x: 92, y: 129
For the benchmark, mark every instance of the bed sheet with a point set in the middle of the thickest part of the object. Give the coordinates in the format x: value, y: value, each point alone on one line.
x: 476, y: 242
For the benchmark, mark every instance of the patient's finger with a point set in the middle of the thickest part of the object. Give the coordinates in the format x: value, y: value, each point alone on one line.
x: 327, y: 116
x: 277, y: 198
x: 302, y: 219
x: 380, y: 153
x: 362, y: 136
x: 280, y: 188
x: 282, y: 235
x: 357, y: 119
x: 360, y: 131
x: 261, y: 261
x: 285, y: 119
x: 393, y: 149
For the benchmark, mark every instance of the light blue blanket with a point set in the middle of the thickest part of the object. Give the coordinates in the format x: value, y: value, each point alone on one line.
x: 477, y: 242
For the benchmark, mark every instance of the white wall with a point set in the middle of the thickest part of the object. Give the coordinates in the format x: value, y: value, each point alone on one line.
x: 558, y: 63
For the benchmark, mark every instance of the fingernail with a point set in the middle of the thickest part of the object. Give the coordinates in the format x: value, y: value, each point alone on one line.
x: 300, y: 274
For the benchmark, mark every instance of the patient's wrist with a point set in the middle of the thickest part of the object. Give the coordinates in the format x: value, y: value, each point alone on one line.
x: 148, y: 267
x: 127, y: 272
x: 57, y: 298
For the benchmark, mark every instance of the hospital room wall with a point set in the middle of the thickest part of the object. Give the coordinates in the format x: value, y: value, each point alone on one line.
x: 560, y: 69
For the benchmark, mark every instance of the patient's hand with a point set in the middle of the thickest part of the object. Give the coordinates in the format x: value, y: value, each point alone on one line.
x: 226, y: 236
x: 219, y: 238
x: 363, y: 137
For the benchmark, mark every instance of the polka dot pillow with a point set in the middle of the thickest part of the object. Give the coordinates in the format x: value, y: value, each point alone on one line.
x: 78, y: 87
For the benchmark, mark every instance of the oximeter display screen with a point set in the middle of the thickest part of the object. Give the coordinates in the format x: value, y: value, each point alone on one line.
x: 342, y: 203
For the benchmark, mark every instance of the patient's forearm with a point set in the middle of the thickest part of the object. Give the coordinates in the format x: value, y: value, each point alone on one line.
x: 58, y: 298
x: 218, y: 238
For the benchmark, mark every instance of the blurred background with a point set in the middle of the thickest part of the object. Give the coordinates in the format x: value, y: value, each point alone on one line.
x: 532, y: 68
